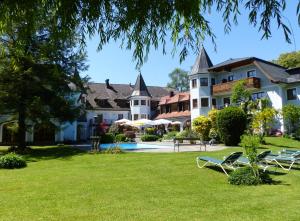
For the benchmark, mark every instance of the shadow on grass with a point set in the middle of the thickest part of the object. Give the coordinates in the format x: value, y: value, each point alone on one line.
x: 282, y: 146
x: 50, y: 153
x: 274, y: 182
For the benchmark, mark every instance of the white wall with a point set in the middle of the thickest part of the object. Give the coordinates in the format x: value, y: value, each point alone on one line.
x: 140, y: 109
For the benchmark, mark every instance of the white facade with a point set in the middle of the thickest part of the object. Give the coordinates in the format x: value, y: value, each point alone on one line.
x: 140, y: 107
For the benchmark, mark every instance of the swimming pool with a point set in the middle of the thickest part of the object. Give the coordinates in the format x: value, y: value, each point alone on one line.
x: 134, y: 146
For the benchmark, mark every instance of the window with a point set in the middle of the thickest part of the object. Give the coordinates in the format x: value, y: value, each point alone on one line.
x: 143, y: 116
x: 203, y: 81
x: 195, y: 103
x: 230, y: 78
x: 168, y: 109
x: 136, y: 102
x: 143, y: 102
x: 251, y: 73
x: 194, y: 83
x: 135, y: 117
x: 291, y: 94
x: 214, y: 101
x: 226, y: 100
x: 204, y: 102
x: 259, y: 95
x: 120, y: 116
x: 213, y: 81
x: 180, y: 106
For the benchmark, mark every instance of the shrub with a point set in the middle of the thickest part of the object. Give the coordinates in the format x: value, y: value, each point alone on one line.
x: 213, y: 134
x: 107, y: 138
x: 149, y: 137
x: 115, y: 128
x: 291, y: 117
x: 231, y: 123
x: 11, y: 161
x: 212, y: 115
x: 187, y: 133
x: 245, y: 176
x: 130, y: 135
x: 120, y: 138
x: 170, y: 135
x: 202, y: 126
x: 113, y: 150
x: 150, y: 131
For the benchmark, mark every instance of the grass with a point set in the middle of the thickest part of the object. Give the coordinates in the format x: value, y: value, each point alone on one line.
x: 61, y: 183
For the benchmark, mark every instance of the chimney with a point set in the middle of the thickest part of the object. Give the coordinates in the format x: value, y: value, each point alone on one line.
x: 171, y: 93
x: 107, y: 83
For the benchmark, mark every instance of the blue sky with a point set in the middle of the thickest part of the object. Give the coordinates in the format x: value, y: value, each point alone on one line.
x: 244, y: 40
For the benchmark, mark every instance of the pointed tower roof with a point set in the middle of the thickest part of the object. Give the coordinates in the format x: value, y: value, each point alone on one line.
x: 140, y: 88
x: 202, y: 63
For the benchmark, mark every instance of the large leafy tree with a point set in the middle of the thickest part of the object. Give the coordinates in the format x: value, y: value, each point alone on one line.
x: 140, y: 24
x: 39, y: 74
x: 289, y: 60
x: 179, y: 80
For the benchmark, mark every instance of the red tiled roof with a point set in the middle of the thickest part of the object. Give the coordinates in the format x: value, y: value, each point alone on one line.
x: 183, y: 96
x: 174, y: 114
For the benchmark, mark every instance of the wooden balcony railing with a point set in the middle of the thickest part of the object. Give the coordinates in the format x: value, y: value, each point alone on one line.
x: 252, y: 82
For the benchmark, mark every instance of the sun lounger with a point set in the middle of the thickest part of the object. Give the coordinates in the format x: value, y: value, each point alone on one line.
x: 227, y: 162
x: 260, y: 160
x: 280, y: 160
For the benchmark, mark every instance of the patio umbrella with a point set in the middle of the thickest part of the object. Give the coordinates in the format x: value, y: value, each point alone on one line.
x: 142, y: 122
x: 176, y: 122
x: 122, y: 121
x: 161, y: 121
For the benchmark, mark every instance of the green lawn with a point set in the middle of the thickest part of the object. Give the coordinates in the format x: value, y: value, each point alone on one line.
x: 61, y: 183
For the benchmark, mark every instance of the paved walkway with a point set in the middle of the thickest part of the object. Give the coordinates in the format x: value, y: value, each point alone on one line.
x: 167, y: 147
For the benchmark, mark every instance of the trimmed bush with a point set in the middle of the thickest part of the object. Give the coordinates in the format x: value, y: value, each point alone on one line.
x: 150, y: 131
x: 212, y: 115
x: 171, y: 135
x: 120, y: 138
x: 113, y: 150
x: 188, y: 133
x: 107, y: 138
x: 148, y: 137
x: 245, y: 176
x: 11, y: 161
x: 202, y: 125
x: 231, y: 123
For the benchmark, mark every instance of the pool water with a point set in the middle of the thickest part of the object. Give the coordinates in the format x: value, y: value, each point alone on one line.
x: 134, y: 146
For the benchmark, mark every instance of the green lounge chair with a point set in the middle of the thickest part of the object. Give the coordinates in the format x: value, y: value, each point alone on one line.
x: 284, y: 159
x: 228, y: 161
x: 289, y: 152
x: 260, y: 160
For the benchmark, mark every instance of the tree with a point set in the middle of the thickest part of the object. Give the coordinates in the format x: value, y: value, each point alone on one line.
x: 240, y: 94
x: 231, y: 123
x: 140, y: 24
x: 202, y: 126
x: 263, y: 120
x: 39, y: 75
x: 289, y: 60
x: 291, y: 117
x: 179, y: 80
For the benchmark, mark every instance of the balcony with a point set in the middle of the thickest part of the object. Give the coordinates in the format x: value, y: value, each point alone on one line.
x: 225, y: 88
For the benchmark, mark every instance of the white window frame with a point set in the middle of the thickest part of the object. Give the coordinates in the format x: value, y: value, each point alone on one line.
x: 254, y: 71
x: 200, y: 103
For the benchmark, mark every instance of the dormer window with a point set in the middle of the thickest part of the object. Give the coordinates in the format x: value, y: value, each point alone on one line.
x: 251, y: 73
